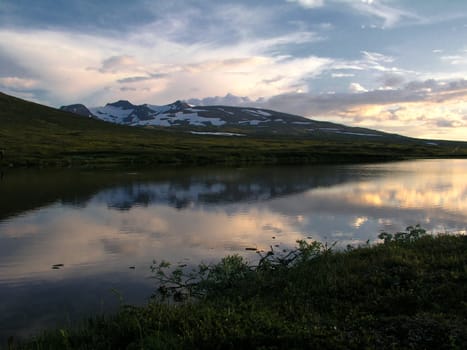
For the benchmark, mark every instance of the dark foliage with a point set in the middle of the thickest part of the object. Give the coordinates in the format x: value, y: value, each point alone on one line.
x: 407, y: 293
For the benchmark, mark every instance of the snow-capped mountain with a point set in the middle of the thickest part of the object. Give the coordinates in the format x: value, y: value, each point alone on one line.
x: 220, y: 120
x: 180, y: 113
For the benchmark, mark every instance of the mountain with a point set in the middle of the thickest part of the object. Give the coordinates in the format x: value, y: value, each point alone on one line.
x: 79, y: 109
x: 223, y: 120
x: 35, y: 135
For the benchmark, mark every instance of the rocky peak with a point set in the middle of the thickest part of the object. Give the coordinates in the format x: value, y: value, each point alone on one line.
x: 78, y: 108
x: 123, y: 104
x: 179, y: 105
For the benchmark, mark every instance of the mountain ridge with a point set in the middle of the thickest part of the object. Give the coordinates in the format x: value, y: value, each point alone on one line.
x: 220, y: 119
x: 32, y: 134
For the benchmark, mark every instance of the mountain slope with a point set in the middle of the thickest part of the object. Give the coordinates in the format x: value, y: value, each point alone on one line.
x: 35, y: 135
x: 79, y: 109
x: 181, y: 115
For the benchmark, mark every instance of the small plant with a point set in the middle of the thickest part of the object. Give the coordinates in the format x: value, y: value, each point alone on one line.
x: 411, y: 234
x: 179, y: 284
x: 303, y: 252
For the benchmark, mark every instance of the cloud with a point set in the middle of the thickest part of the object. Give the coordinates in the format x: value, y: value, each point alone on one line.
x: 308, y: 3
x: 377, y: 57
x: 138, y: 79
x: 391, y: 80
x: 342, y: 75
x: 393, y: 110
x: 455, y: 59
x: 126, y: 88
x: 229, y: 100
x: 446, y: 123
x: 82, y: 16
x: 134, y: 79
x: 416, y: 106
x: 57, y: 62
x: 390, y: 16
x: 263, y: 52
x: 369, y: 63
x: 17, y: 83
x: 356, y: 88
x: 117, y: 63
x: 205, y: 66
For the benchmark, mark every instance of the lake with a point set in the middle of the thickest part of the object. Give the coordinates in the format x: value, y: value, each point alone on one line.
x: 79, y: 242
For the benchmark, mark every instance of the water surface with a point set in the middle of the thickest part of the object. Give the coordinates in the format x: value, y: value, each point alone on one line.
x: 107, y: 227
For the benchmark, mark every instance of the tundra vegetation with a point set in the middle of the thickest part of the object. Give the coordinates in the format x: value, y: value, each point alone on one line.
x: 407, y: 292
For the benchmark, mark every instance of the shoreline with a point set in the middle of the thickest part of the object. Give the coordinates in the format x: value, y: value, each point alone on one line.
x: 407, y: 292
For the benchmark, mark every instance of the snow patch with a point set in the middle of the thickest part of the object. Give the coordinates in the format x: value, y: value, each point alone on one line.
x: 195, y: 119
x: 355, y: 133
x: 255, y: 122
x: 302, y: 123
x: 192, y: 119
x: 215, y: 133
x: 111, y: 113
x: 195, y: 110
x: 223, y: 110
x: 257, y: 112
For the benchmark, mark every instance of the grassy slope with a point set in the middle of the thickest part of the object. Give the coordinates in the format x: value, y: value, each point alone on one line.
x: 35, y: 135
x: 398, y: 295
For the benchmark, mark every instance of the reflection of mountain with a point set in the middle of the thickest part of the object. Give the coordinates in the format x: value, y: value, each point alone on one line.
x: 210, y: 188
x: 22, y: 191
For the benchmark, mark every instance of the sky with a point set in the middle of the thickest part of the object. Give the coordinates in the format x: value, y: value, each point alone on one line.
x: 394, y: 65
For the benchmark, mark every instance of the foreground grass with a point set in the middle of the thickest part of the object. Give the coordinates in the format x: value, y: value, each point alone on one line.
x: 35, y: 135
x: 408, y: 293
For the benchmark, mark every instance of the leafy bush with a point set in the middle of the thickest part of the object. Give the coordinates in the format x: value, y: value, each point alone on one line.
x: 179, y: 284
x: 410, y: 234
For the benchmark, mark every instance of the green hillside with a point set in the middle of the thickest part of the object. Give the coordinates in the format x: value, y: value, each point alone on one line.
x: 36, y: 135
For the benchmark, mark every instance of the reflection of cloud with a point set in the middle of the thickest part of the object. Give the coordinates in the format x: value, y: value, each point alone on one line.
x: 434, y: 197
x: 441, y: 189
x: 433, y: 193
x: 359, y: 221
x: 93, y: 235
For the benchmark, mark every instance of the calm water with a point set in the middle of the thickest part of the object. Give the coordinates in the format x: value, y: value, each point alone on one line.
x: 99, y: 224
